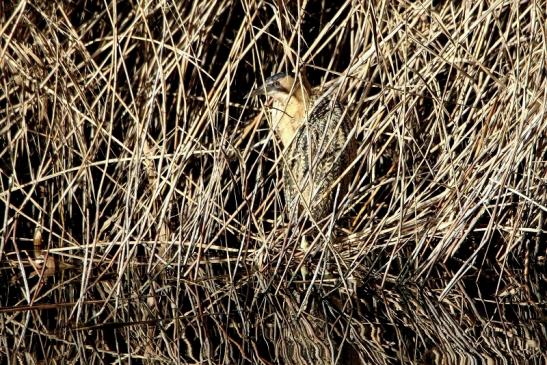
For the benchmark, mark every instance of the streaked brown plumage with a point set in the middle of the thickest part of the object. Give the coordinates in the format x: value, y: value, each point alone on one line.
x: 317, y: 143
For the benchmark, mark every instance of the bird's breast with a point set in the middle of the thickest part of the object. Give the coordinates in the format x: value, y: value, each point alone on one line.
x: 287, y: 119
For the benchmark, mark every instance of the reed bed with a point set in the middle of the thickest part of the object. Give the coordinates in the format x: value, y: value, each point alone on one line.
x: 141, y: 197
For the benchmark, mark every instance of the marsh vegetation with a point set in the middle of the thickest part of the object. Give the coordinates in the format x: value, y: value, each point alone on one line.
x: 141, y: 200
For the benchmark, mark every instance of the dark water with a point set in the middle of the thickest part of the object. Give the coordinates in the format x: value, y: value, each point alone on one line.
x: 257, y: 317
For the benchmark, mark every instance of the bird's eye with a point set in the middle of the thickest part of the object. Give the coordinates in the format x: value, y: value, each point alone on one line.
x: 277, y: 86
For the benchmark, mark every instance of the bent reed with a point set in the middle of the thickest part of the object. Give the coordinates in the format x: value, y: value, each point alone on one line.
x: 142, y: 195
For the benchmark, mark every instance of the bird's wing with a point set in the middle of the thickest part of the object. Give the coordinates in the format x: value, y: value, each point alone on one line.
x: 313, y: 161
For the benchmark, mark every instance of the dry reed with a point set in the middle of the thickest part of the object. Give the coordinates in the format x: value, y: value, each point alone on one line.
x: 141, y: 195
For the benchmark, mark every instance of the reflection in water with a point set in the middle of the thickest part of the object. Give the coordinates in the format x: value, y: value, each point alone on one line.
x: 215, y: 318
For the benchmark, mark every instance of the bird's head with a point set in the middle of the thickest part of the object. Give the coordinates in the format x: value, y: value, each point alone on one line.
x: 291, y: 99
x: 282, y: 87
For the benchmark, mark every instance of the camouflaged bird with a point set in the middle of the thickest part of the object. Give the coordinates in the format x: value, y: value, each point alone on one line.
x: 317, y: 143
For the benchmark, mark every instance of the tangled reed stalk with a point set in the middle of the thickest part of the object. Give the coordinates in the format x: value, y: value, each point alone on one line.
x: 142, y: 199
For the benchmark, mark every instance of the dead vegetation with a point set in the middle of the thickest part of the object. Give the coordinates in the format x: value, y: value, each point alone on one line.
x: 141, y: 196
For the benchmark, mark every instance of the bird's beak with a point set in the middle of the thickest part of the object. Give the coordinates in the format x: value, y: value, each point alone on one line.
x: 271, y: 84
x: 258, y: 91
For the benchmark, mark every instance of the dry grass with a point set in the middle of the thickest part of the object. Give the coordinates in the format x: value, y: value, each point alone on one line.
x: 141, y: 195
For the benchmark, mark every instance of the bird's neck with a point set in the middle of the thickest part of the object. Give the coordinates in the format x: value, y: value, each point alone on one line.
x: 289, y: 115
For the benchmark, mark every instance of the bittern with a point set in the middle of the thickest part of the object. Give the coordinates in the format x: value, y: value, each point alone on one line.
x: 316, y: 139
